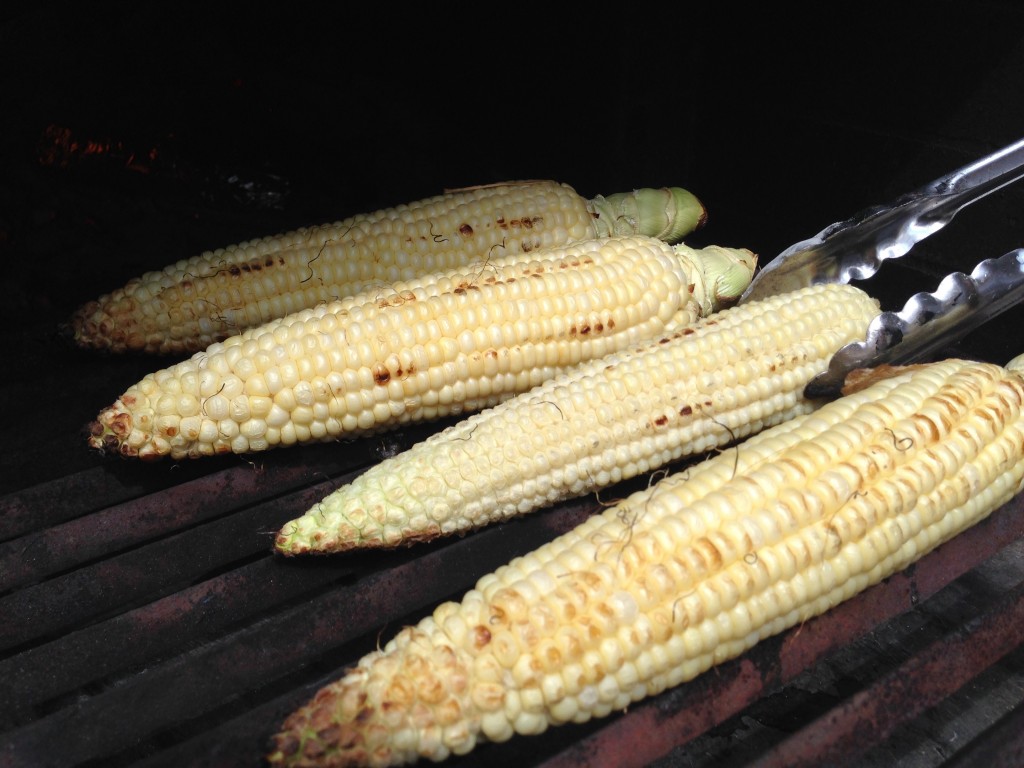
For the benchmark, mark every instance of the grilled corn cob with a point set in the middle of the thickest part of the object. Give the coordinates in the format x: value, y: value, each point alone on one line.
x: 685, y: 575
x: 726, y: 377
x: 447, y: 343
x: 191, y: 304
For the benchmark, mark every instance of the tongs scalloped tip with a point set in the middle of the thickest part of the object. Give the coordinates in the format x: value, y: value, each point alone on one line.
x: 929, y: 321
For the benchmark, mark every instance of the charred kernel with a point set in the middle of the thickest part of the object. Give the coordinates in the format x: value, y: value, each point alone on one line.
x: 481, y: 636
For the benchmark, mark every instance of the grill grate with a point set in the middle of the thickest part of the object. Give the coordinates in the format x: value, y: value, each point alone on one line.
x: 160, y: 630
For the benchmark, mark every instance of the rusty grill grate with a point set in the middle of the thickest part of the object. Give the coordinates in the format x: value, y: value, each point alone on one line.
x: 149, y: 624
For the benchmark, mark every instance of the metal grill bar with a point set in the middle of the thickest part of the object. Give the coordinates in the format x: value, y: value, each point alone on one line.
x: 177, y: 646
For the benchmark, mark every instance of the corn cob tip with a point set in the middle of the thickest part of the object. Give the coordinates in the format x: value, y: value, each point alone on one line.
x: 124, y: 430
x: 385, y: 711
x: 109, y: 429
x: 107, y: 324
x: 310, y: 535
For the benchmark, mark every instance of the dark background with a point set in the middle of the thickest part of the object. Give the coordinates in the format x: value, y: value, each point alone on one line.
x: 135, y: 134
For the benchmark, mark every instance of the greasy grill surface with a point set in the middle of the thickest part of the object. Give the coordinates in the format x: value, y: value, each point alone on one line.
x: 145, y: 620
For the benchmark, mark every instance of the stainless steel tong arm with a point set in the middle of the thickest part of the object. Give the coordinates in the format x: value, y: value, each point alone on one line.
x: 855, y: 249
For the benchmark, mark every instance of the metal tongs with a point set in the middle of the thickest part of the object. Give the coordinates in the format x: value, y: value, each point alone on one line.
x: 855, y: 249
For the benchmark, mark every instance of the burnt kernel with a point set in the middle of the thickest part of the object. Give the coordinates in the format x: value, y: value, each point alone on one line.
x: 687, y: 331
x: 691, y: 287
x: 465, y: 230
x: 288, y: 744
x: 481, y: 636
x: 381, y: 375
x: 330, y: 734
x: 661, y: 421
x: 234, y: 270
x: 686, y: 410
x: 585, y: 329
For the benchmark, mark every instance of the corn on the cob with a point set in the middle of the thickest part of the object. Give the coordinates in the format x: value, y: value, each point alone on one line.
x: 447, y: 343
x: 195, y: 302
x: 726, y: 377
x: 687, y: 574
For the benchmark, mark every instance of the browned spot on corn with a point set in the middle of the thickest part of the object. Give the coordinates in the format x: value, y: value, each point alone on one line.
x: 481, y: 636
x: 526, y: 222
x: 710, y: 553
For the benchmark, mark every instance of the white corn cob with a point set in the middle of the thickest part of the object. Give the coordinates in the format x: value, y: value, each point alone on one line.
x: 730, y: 375
x: 685, y: 575
x: 191, y: 304
x: 442, y: 344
